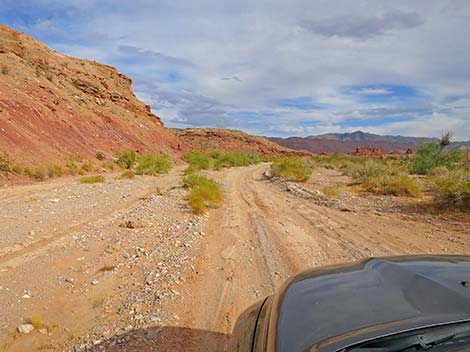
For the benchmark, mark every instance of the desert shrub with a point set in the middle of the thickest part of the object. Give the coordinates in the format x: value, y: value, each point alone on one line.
x: 126, y: 158
x: 150, y: 164
x: 400, y: 185
x: 78, y: 158
x: 128, y: 174
x: 453, y: 190
x: 430, y: 156
x: 198, y: 161
x: 92, y: 179
x: 100, y: 156
x: 158, y: 191
x: 41, y: 173
x: 18, y: 169
x: 55, y: 171
x: 438, y: 171
x: 192, y: 180
x: 36, y: 321
x: 87, y: 167
x: 71, y: 167
x: 233, y: 159
x: 291, y: 168
x: 332, y: 190
x: 5, y: 163
x: 218, y: 160
x: 109, y: 165
x: 370, y: 168
x: 204, y: 193
x: 28, y: 171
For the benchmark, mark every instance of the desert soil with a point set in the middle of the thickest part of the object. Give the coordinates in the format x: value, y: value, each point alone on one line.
x: 118, y: 267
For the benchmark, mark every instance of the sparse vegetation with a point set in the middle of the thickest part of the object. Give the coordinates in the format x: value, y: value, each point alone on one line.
x: 92, y: 179
x: 36, y: 321
x: 204, y: 193
x: 126, y: 159
x: 158, y: 191
x: 292, y: 169
x: 401, y: 185
x: 452, y: 191
x: 332, y: 190
x: 5, y: 163
x: 87, y: 166
x: 430, y: 156
x: 128, y: 174
x: 100, y: 156
x: 218, y: 160
x: 151, y: 164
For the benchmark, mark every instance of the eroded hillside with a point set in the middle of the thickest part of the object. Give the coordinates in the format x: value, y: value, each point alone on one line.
x: 208, y: 139
x: 53, y: 105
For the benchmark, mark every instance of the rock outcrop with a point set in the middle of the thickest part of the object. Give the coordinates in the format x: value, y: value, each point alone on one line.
x: 53, y: 105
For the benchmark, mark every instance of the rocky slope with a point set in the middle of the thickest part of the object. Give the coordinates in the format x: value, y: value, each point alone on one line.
x: 53, y: 105
x: 208, y: 139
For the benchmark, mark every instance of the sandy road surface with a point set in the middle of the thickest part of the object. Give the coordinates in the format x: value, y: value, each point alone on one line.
x: 263, y: 235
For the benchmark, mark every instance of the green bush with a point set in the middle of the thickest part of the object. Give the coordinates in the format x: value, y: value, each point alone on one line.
x: 365, y: 170
x: 198, y: 161
x: 150, y: 164
x: 453, y: 191
x: 192, y: 180
x: 233, y: 159
x: 128, y: 174
x: 92, y: 179
x: 430, y: 156
x: 401, y: 185
x: 218, y: 160
x: 5, y: 163
x: 126, y: 158
x: 204, y: 193
x: 291, y: 168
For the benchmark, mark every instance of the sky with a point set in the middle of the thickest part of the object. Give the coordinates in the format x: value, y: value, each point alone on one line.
x: 276, y: 68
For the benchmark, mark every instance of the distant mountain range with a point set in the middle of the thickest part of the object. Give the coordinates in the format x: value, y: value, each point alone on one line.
x: 348, y: 142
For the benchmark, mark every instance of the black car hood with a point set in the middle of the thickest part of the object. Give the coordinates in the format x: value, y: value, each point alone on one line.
x: 328, y: 309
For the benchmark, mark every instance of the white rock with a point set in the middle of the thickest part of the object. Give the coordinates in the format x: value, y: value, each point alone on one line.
x: 25, y: 328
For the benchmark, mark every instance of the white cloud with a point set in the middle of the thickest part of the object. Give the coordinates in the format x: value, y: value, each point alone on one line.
x: 199, y: 63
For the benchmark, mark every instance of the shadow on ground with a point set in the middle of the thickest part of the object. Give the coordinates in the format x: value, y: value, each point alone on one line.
x: 165, y: 339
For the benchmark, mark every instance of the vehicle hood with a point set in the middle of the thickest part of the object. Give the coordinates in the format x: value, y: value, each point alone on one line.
x: 331, y: 308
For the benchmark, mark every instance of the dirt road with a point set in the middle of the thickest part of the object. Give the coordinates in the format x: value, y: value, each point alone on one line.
x: 178, y: 282
x: 263, y: 235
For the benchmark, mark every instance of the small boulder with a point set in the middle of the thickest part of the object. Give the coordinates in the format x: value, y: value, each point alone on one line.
x: 25, y: 328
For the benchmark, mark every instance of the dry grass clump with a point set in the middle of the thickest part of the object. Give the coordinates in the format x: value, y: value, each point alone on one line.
x: 92, y: 179
x: 128, y: 174
x: 218, y: 160
x: 36, y: 321
x: 204, y: 193
x: 151, y: 164
x: 452, y: 191
x: 291, y: 168
x: 401, y: 185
